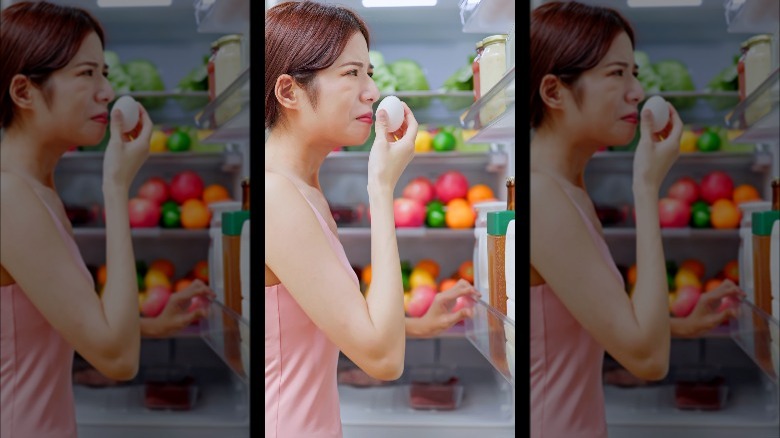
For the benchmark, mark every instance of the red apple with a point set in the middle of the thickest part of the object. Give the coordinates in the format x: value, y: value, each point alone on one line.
x: 728, y: 303
x: 673, y: 213
x: 421, y: 189
x: 185, y: 186
x: 156, y: 299
x: 143, y: 213
x: 422, y: 297
x: 451, y: 185
x: 462, y: 302
x: 716, y: 185
x: 408, y: 213
x: 687, y: 297
x: 685, y: 189
x: 154, y: 189
x: 198, y: 302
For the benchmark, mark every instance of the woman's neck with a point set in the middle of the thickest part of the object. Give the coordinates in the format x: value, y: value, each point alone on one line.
x: 23, y: 152
x: 295, y: 157
x: 561, y: 155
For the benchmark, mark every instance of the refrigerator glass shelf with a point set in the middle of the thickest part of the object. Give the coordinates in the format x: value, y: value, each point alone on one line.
x: 144, y: 233
x: 434, y: 107
x: 227, y: 333
x: 411, y: 233
x: 493, y: 115
x: 694, y: 158
x: 493, y: 335
x: 674, y: 233
x: 756, y: 333
x: 228, y: 114
x: 752, y: 16
x: 487, y: 16
x: 222, y: 16
x: 759, y: 114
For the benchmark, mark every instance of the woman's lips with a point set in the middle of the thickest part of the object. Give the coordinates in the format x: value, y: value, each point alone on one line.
x: 366, y: 119
x: 631, y: 119
x: 101, y: 119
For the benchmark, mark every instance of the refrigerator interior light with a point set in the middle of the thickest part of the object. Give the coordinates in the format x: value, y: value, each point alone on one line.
x: 662, y: 3
x: 397, y: 3
x: 132, y: 3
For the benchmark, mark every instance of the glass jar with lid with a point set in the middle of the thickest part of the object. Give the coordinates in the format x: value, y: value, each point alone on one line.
x: 227, y: 67
x: 475, y: 70
x: 758, y: 66
x: 492, y: 67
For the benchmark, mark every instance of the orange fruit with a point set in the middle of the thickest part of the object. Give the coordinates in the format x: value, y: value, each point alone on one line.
x: 466, y: 271
x: 181, y: 284
x: 460, y: 214
x: 215, y: 193
x: 195, y: 214
x: 429, y: 265
x: 102, y: 275
x: 724, y: 214
x: 479, y: 193
x: 631, y: 276
x: 745, y: 193
x: 407, y: 298
x: 672, y: 299
x: 141, y: 299
x: 446, y: 284
x: 165, y: 266
x: 731, y: 271
x: 695, y: 266
x: 712, y: 284
x: 685, y: 277
x: 365, y: 276
x: 156, y: 278
x: 201, y: 271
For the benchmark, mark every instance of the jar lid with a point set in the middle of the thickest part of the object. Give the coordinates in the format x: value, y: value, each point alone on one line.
x: 501, y: 38
x: 497, y: 222
x: 763, y: 222
x: 233, y: 221
x: 757, y: 39
x: 234, y: 38
x: 479, y: 44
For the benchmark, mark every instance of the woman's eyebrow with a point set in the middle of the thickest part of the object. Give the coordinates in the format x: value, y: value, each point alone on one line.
x: 356, y: 63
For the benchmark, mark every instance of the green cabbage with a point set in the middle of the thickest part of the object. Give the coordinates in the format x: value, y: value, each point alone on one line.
x: 145, y: 77
x: 410, y: 77
x: 383, y: 79
x: 675, y: 77
x: 650, y: 81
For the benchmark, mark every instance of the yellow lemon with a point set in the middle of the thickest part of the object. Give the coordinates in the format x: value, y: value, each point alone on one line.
x: 468, y: 133
x: 156, y: 278
x: 407, y: 298
x: 157, y: 143
x: 421, y: 277
x: 429, y: 265
x: 685, y: 277
x: 141, y: 299
x: 688, y: 142
x: 672, y: 298
x: 423, y: 142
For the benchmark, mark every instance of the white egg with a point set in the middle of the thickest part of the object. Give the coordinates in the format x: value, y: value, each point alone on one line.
x: 129, y: 108
x: 395, y: 112
x: 660, y: 109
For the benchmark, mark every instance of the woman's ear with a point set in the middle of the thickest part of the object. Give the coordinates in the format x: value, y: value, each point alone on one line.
x: 551, y: 91
x: 287, y: 92
x: 21, y: 90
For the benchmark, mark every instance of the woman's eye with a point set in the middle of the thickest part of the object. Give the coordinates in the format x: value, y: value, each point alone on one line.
x: 636, y: 74
x: 370, y: 74
x: 87, y: 73
x: 618, y: 73
x: 352, y: 72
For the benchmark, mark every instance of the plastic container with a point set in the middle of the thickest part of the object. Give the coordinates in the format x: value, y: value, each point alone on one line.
x: 745, y: 255
x: 758, y: 66
x: 492, y: 67
x: 475, y: 71
x: 227, y: 67
x: 434, y: 387
x: 700, y: 388
x: 169, y: 388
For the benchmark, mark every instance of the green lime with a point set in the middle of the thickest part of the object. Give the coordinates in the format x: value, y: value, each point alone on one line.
x: 179, y: 141
x: 700, y: 218
x: 406, y: 267
x: 405, y: 279
x: 444, y: 141
x: 670, y: 281
x: 170, y: 218
x: 435, y: 219
x: 169, y: 205
x: 671, y: 267
x: 708, y: 141
x: 140, y: 279
x: 434, y: 206
x: 140, y: 267
x: 700, y: 205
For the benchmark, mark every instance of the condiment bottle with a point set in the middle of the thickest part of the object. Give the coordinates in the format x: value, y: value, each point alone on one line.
x: 497, y: 224
x: 232, y: 223
x: 475, y: 70
x: 758, y: 66
x: 245, y: 194
x: 210, y: 71
x: 763, y: 223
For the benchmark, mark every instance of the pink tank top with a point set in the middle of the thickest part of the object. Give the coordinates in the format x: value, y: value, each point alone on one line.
x: 567, y: 396
x: 36, y: 392
x: 301, y: 393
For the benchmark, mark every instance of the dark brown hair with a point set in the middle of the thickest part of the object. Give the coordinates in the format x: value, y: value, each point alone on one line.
x: 37, y: 39
x: 302, y: 38
x: 566, y: 40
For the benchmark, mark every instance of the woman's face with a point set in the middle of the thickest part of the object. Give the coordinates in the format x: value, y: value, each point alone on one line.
x: 608, y: 110
x: 346, y: 93
x: 77, y: 113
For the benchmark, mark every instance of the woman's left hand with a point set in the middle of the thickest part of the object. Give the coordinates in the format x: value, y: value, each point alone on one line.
x: 706, y: 316
x: 440, y: 316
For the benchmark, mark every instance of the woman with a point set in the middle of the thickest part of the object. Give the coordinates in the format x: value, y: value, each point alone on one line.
x: 318, y: 96
x: 584, y: 95
x: 54, y: 95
